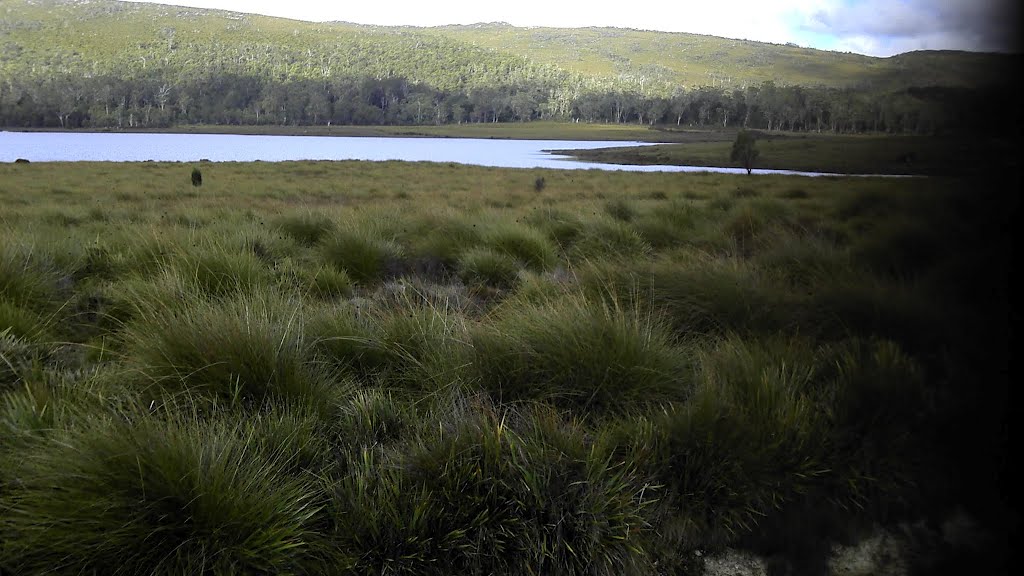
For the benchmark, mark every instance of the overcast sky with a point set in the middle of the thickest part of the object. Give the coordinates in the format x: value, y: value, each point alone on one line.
x: 873, y: 27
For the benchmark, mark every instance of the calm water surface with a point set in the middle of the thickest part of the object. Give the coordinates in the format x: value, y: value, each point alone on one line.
x: 108, y: 147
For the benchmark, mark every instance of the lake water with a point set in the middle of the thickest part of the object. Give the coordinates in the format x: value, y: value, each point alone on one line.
x: 115, y: 147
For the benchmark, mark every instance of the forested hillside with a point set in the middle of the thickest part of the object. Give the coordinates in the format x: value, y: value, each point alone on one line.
x: 101, y: 63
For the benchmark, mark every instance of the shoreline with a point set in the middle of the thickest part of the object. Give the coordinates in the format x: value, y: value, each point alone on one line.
x: 504, y: 131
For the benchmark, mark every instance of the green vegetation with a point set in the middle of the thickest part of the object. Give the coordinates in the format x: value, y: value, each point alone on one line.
x: 830, y: 153
x: 416, y: 368
x: 118, y: 65
x: 744, y: 150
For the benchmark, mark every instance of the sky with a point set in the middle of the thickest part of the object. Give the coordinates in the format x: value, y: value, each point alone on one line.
x: 872, y: 27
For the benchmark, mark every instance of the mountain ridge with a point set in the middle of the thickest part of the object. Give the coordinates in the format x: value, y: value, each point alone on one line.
x: 645, y: 61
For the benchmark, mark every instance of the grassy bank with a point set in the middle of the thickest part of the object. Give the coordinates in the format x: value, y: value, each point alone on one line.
x: 415, y: 368
x: 504, y: 130
x: 840, y: 154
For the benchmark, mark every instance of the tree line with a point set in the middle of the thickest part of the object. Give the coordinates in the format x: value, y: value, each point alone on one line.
x: 161, y: 100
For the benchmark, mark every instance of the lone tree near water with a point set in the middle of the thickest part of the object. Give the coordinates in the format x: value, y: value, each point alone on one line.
x: 744, y: 150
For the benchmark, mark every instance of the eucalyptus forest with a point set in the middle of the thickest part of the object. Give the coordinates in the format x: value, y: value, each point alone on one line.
x: 117, y: 65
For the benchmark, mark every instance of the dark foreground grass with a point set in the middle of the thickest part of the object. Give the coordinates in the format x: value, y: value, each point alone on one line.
x: 363, y: 368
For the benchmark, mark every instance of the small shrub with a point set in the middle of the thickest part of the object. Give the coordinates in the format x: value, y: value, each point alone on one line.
x: 539, y: 184
x: 197, y: 177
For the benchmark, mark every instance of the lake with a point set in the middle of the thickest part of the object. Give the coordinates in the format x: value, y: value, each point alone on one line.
x: 117, y: 147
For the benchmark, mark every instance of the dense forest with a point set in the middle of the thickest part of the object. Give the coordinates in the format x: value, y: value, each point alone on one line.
x: 104, y: 64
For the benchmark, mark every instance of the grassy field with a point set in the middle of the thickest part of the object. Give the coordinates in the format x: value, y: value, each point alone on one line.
x: 414, y: 368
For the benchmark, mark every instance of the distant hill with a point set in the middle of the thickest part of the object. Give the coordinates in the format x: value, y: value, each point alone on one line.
x: 97, y: 37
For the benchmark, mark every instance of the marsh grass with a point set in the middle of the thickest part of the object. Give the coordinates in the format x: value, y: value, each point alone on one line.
x: 584, y: 356
x: 526, y: 485
x: 245, y: 351
x: 171, y: 496
x: 362, y: 254
x: 484, y: 266
x: 436, y: 369
x: 306, y: 229
x: 521, y: 242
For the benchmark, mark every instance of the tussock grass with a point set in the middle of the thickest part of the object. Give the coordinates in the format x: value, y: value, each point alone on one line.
x: 26, y: 278
x: 523, y: 243
x: 604, y: 238
x: 145, y: 495
x: 21, y: 322
x: 582, y: 355
x: 412, y: 344
x: 494, y: 493
x: 363, y: 255
x: 440, y: 370
x: 246, y: 350
x: 306, y: 229
x: 718, y: 296
x: 560, y: 226
x: 487, y: 267
x: 220, y: 273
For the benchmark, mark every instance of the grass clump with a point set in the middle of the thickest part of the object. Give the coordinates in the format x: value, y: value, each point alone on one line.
x: 408, y: 345
x: 141, y: 495
x: 743, y: 444
x: 620, y: 209
x: 246, y: 351
x: 221, y: 273
x: 494, y: 493
x: 25, y: 279
x: 20, y: 322
x: 306, y: 229
x: 581, y: 355
x: 327, y: 283
x: 604, y: 238
x: 486, y: 267
x: 715, y: 297
x: 524, y: 243
x: 364, y: 256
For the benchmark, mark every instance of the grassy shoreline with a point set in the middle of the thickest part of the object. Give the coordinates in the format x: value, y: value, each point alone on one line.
x: 357, y: 367
x: 522, y: 131
x: 841, y: 154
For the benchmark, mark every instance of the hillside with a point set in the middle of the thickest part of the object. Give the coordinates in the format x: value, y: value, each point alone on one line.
x: 93, y: 37
x: 671, y: 58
